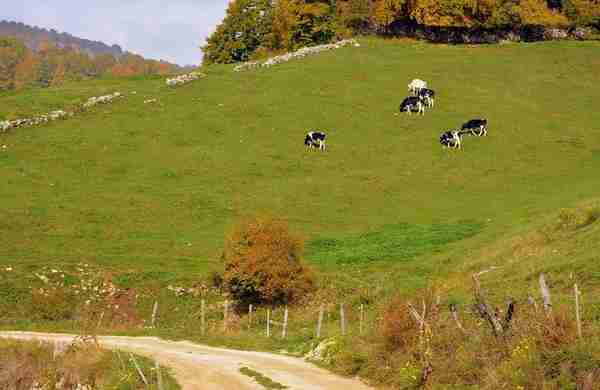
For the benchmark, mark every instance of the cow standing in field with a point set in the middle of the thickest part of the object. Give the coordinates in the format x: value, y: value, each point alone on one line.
x: 413, y: 103
x: 416, y: 86
x: 451, y: 139
x: 315, y: 139
x: 428, y: 96
x: 476, y: 127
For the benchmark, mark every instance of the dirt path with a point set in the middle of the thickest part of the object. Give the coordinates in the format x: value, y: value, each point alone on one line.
x: 197, y: 366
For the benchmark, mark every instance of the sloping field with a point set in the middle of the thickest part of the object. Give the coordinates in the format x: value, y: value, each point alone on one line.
x: 154, y: 187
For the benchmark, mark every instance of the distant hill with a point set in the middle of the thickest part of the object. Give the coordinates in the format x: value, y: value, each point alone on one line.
x: 34, y: 36
x: 37, y: 57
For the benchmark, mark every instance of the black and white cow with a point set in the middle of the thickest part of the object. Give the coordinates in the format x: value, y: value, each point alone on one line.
x: 451, y: 139
x: 416, y: 85
x: 476, y: 127
x: 315, y: 139
x: 428, y: 96
x: 413, y: 103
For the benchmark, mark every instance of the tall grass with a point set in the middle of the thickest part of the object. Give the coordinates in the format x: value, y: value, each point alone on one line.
x: 26, y: 365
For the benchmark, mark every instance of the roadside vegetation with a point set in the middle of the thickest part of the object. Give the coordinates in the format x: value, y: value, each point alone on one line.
x: 28, y: 365
x: 128, y: 207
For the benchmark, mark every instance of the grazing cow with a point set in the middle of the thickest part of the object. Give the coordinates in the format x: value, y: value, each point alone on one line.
x: 413, y: 103
x: 315, y: 139
x: 451, y: 139
x: 416, y: 85
x: 476, y: 127
x: 428, y: 96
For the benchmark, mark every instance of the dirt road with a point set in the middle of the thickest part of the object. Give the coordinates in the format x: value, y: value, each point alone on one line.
x: 201, y: 367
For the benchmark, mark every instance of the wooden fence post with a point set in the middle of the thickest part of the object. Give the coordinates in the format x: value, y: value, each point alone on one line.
x: 342, y: 319
x: 225, y: 314
x: 203, y: 317
x: 268, y: 322
x: 100, y: 319
x: 285, y: 323
x: 154, y: 312
x: 362, y: 318
x: 545, y: 295
x: 533, y: 303
x: 577, y: 314
x: 320, y: 321
x: 454, y: 313
x: 159, y: 378
x: 249, y: 316
x: 482, y: 306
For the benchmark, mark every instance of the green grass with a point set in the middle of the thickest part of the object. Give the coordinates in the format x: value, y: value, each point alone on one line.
x: 146, y: 192
x: 35, y: 101
x: 394, y: 243
x: 264, y: 381
x: 156, y: 187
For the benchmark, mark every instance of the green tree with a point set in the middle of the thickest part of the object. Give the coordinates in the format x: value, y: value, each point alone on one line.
x: 45, y: 73
x: 244, y: 29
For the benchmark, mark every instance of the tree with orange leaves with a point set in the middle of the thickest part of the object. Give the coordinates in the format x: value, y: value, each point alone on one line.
x: 263, y: 263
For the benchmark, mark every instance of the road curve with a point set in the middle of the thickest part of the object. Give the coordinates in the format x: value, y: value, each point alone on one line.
x: 200, y: 367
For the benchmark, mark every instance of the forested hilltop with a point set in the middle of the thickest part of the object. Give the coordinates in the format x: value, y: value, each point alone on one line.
x: 35, y: 57
x: 253, y: 28
x: 34, y: 36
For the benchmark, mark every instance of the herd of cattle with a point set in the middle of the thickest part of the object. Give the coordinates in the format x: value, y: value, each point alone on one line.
x: 421, y: 98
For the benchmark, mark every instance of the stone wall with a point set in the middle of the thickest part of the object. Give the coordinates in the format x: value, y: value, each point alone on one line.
x: 184, y: 79
x: 301, y: 53
x: 5, y: 126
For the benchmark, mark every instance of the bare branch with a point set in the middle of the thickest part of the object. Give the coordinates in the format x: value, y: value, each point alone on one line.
x: 454, y: 313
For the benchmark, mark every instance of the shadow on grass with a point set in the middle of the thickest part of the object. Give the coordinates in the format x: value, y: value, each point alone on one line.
x: 397, y: 242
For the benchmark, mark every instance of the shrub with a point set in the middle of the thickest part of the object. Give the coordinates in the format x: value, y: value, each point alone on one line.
x: 263, y: 263
x: 398, y: 329
x: 53, y: 304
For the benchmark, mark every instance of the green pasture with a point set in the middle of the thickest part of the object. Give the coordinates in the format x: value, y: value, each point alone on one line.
x: 150, y: 190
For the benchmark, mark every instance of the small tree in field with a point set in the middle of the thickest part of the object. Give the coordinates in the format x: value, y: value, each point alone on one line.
x: 263, y: 263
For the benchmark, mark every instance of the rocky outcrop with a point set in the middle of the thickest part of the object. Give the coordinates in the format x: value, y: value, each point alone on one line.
x: 301, y: 53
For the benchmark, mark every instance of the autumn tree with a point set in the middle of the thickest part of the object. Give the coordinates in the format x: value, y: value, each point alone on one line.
x: 356, y: 15
x: 12, y: 53
x: 582, y: 12
x: 26, y: 71
x: 284, y: 24
x: 388, y: 11
x: 58, y: 78
x: 316, y: 24
x: 536, y: 12
x: 102, y: 63
x: 263, y: 263
x: 50, y: 65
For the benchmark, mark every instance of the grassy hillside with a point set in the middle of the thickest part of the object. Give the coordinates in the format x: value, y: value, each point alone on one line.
x: 158, y: 185
x: 145, y: 193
